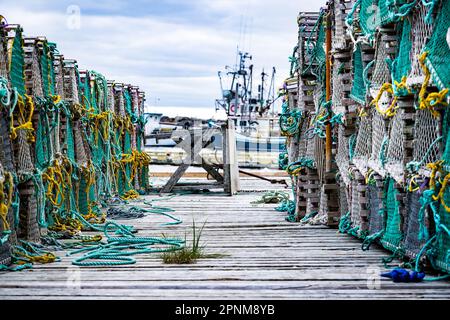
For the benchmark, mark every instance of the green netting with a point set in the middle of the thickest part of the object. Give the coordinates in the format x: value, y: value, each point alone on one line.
x: 96, y: 147
x: 377, y: 13
x: 59, y: 181
x: 117, y: 151
x: 127, y: 150
x: 127, y: 99
x: 117, y: 145
x: 83, y: 199
x: 319, y: 50
x: 138, y: 141
x: 100, y: 91
x: 16, y: 72
x: 42, y: 149
x: 402, y: 64
x: 144, y: 178
x: 446, y: 137
x: 70, y: 143
x: 315, y: 50
x: 369, y: 18
x: 46, y: 70
x: 52, y: 49
x: 86, y: 92
x: 442, y: 253
x: 92, y: 191
x: 128, y: 107
x: 69, y: 204
x: 392, y: 10
x: 127, y: 143
x: 100, y: 148
x: 385, y: 11
x: 393, y: 234
x: 121, y: 182
x: 438, y: 48
x: 358, y: 92
x: 83, y: 205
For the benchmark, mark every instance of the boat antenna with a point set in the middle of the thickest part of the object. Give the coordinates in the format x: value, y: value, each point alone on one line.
x: 270, y: 102
x: 250, y: 85
x: 272, y: 90
x: 263, y: 79
x: 220, y: 80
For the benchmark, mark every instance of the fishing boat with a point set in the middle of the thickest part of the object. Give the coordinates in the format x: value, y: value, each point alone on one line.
x: 258, y: 139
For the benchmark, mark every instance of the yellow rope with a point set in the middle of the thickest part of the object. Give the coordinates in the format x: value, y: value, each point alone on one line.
x: 435, y: 168
x: 6, y: 201
x: 53, y: 175
x: 369, y: 175
x: 67, y: 170
x: 413, y: 185
x: 433, y: 99
x: 129, y: 124
x: 89, y: 175
x: 67, y: 225
x: 402, y: 85
x: 137, y: 160
x: 440, y: 195
x: 24, y: 120
x: 362, y: 112
x: 100, y: 121
x: 56, y: 99
x: 78, y: 110
x: 131, y: 194
x: 47, y: 257
x: 392, y: 109
x: 96, y: 238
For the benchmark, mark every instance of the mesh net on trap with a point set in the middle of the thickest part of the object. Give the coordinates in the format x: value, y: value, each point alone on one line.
x: 427, y: 144
x: 393, y: 235
x: 28, y: 225
x: 3, y: 56
x: 6, y: 239
x: 359, y: 87
x: 357, y: 212
x: 413, y: 242
x: 381, y: 73
x: 375, y: 196
x: 395, y: 155
x: 70, y: 82
x: 438, y: 48
x: 343, y: 154
x: 59, y: 76
x: 380, y: 143
x: 32, y: 69
x: 363, y: 149
x: 421, y: 31
x: 341, y: 9
x: 344, y: 197
x: 441, y: 254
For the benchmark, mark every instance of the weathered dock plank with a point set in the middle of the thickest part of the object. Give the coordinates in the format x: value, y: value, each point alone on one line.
x: 265, y: 257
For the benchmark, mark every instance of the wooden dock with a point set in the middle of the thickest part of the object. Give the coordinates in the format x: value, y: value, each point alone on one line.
x: 266, y: 258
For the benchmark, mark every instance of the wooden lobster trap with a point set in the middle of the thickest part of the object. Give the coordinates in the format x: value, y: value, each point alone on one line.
x: 358, y: 204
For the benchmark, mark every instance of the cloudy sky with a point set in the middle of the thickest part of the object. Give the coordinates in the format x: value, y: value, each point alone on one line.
x: 172, y: 49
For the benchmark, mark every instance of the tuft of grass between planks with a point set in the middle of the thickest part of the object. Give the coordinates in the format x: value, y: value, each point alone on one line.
x: 189, y: 254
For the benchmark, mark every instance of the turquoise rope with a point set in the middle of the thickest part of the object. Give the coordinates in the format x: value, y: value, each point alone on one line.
x: 118, y: 250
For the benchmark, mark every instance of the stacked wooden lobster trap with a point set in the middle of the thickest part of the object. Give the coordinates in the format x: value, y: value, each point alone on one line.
x: 70, y: 142
x: 367, y: 120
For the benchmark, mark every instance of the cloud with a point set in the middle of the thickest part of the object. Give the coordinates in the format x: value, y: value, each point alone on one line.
x: 171, y: 49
